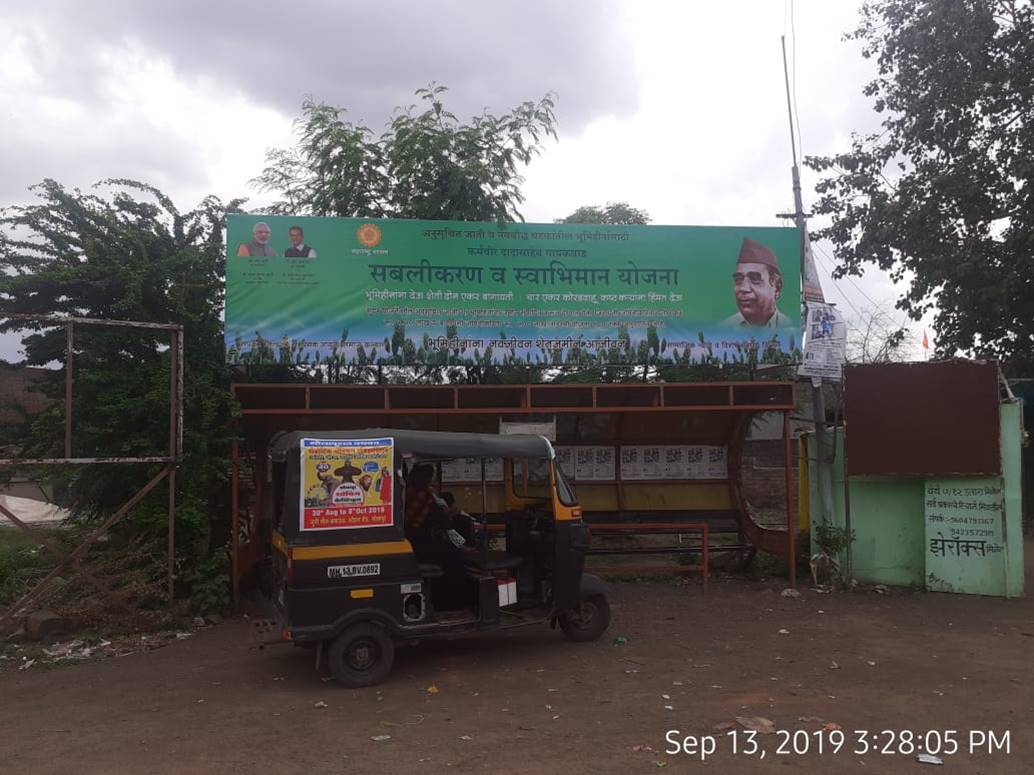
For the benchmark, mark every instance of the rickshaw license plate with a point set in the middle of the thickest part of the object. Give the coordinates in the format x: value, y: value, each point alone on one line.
x: 351, y: 571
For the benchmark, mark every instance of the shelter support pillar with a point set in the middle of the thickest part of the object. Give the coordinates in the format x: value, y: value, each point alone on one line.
x: 791, y: 528
x: 235, y: 526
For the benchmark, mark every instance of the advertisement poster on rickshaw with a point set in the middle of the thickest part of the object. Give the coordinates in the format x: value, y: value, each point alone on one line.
x: 346, y: 483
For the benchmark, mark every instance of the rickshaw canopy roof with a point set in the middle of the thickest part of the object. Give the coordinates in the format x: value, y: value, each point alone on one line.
x: 427, y: 445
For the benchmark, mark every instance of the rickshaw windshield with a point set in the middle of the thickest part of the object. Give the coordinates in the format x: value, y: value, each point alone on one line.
x: 564, y: 489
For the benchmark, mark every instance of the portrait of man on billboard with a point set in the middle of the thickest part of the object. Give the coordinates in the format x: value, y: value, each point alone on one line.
x: 298, y: 247
x: 757, y: 285
x: 259, y: 245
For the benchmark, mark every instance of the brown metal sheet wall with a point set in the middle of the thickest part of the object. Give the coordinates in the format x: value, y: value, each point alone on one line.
x: 923, y: 419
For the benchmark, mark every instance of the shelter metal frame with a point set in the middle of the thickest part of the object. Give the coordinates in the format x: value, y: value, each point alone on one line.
x: 297, y: 405
x: 168, y: 471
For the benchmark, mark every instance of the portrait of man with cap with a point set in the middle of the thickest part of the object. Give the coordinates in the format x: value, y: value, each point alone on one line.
x: 757, y: 286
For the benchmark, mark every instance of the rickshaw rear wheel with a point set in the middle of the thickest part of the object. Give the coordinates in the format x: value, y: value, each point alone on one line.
x: 588, y: 621
x: 362, y: 655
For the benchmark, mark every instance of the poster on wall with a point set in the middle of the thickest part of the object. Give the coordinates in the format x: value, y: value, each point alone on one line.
x: 584, y: 463
x: 565, y: 460
x: 604, y: 468
x: 673, y: 462
x: 631, y: 463
x: 468, y: 469
x: 717, y: 463
x: 410, y: 292
x: 965, y: 536
x: 825, y: 349
x: 346, y: 483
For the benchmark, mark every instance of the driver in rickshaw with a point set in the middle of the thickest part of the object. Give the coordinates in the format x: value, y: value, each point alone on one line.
x: 428, y: 520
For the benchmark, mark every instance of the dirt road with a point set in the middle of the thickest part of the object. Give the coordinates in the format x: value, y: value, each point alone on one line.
x: 529, y: 701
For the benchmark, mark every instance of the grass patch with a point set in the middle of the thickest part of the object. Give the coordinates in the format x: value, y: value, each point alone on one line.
x: 23, y: 561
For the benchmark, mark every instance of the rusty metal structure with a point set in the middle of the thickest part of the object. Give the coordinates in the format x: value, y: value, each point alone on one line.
x: 168, y: 472
x: 619, y: 413
x: 944, y: 418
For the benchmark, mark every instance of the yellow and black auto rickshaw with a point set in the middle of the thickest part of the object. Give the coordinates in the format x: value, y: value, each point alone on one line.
x: 368, y: 554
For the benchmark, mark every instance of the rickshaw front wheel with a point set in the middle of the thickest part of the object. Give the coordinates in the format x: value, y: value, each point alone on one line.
x: 362, y: 655
x: 588, y: 621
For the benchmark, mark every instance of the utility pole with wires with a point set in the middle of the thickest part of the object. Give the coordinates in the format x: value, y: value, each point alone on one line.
x: 818, y: 403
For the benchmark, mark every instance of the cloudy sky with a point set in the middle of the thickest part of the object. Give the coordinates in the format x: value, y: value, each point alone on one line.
x: 675, y: 107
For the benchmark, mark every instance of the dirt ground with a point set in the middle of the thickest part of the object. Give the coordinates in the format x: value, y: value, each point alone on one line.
x: 528, y: 701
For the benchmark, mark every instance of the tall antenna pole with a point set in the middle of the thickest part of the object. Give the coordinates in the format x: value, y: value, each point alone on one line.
x: 818, y: 402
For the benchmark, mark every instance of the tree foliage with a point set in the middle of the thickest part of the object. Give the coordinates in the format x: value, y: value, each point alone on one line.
x: 427, y: 164
x: 941, y: 197
x: 616, y: 213
x: 125, y: 252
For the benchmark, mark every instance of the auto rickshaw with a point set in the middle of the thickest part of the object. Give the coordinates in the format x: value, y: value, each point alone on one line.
x: 348, y: 580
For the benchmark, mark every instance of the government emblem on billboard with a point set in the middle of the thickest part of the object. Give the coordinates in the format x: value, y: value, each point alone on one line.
x: 369, y: 235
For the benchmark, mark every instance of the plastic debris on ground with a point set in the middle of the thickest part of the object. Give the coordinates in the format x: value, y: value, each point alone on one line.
x: 321, y: 704
x: 620, y: 640
x: 926, y: 758
x: 790, y: 593
x: 758, y: 724
x: 380, y: 738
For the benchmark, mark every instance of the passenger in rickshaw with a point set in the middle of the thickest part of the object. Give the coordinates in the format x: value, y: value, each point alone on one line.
x: 428, y: 518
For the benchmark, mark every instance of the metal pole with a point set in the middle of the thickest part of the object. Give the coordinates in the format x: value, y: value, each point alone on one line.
x: 818, y: 402
x: 68, y: 387
x: 791, y: 528
x: 235, y: 525
x: 484, y: 516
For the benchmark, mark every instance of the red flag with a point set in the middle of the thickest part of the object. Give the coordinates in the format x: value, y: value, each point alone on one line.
x: 926, y: 341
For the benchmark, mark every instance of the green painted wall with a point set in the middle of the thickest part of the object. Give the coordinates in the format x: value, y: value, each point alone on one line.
x: 889, y: 520
x: 1012, y: 471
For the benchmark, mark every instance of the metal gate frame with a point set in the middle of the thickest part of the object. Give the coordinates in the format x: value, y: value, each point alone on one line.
x: 171, y: 460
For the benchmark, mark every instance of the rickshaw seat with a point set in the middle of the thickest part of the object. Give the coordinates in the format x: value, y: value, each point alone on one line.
x: 496, y: 560
x: 430, y: 570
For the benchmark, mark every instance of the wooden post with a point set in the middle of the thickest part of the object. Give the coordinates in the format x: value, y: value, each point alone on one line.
x: 172, y: 532
x: 175, y: 437
x: 68, y: 387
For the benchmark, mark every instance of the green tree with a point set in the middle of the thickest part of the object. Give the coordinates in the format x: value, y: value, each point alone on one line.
x: 612, y: 213
x: 126, y: 252
x: 941, y: 195
x: 427, y: 164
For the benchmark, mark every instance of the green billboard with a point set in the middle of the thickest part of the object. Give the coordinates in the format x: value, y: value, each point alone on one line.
x: 407, y: 292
